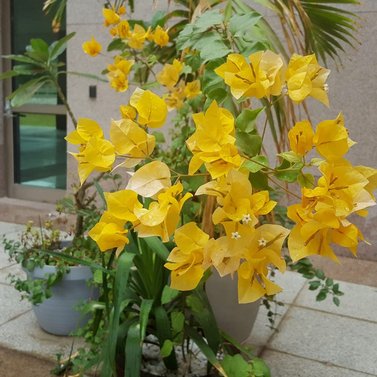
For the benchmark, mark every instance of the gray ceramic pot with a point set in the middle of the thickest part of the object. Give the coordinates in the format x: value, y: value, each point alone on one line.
x: 235, y: 319
x: 58, y: 315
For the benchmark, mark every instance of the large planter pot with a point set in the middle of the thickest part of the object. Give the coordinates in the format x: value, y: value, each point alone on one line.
x: 235, y: 319
x: 58, y: 315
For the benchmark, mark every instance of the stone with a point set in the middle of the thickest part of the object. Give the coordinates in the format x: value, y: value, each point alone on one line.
x: 328, y: 338
x: 11, y: 305
x: 283, y: 365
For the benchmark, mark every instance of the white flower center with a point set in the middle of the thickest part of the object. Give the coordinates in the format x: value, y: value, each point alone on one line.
x: 246, y: 218
x: 236, y: 235
x: 326, y: 87
x: 262, y: 242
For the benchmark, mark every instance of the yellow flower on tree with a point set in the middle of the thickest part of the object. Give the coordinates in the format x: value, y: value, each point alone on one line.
x: 137, y: 37
x: 264, y: 250
x: 263, y: 77
x: 331, y: 138
x: 85, y: 129
x: 162, y: 216
x: 169, y: 75
x: 127, y: 112
x: 301, y: 138
x: 109, y: 235
x: 160, y: 36
x: 92, y: 47
x: 185, y: 260
x: 152, y: 109
x: 118, y: 73
x: 305, y: 77
x: 110, y: 16
x: 98, y: 155
x: 192, y: 89
x: 121, y: 30
x: 131, y: 141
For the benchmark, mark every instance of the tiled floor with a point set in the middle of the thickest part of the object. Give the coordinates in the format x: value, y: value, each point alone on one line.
x: 312, y: 339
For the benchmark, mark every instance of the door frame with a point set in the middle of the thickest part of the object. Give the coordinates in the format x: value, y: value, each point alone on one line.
x: 17, y: 190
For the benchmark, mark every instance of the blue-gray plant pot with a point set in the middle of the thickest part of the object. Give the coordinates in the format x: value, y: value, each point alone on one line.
x: 58, y: 315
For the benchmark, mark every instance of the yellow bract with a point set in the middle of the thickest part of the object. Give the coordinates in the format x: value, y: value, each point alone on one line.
x: 301, y: 138
x: 305, y: 77
x: 121, y: 30
x: 263, y: 77
x: 169, y: 75
x: 118, y: 73
x: 185, y: 260
x: 192, y: 89
x: 331, y: 139
x: 131, y: 141
x: 160, y: 36
x: 137, y: 37
x: 92, y: 47
x: 151, y: 108
x: 127, y: 112
x: 109, y: 236
x: 150, y: 179
x: 110, y: 16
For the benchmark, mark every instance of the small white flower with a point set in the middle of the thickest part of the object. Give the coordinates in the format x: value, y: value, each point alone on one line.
x: 246, y: 218
x: 326, y: 87
x: 262, y: 242
x: 236, y: 235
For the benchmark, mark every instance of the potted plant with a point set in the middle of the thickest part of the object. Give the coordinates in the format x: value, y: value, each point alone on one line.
x: 55, y: 288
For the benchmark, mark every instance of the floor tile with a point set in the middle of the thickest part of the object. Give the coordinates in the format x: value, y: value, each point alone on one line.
x: 11, y: 305
x: 291, y: 282
x: 13, y: 269
x: 358, y: 301
x: 24, y: 334
x: 284, y: 365
x: 9, y: 227
x: 325, y: 337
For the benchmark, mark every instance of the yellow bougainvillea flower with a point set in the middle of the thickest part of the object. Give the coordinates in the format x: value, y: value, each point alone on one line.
x: 97, y: 155
x: 122, y: 204
x: 331, y: 139
x: 162, y: 216
x: 151, y: 108
x: 110, y: 16
x: 160, y: 36
x: 85, y: 129
x: 109, y: 236
x: 130, y: 140
x: 301, y: 138
x: 371, y: 175
x: 192, y: 89
x: 127, y: 112
x: 185, y: 260
x: 137, y: 37
x: 118, y: 73
x: 305, y: 77
x: 264, y: 249
x: 92, y: 47
x: 121, y: 30
x: 214, y: 128
x: 150, y: 179
x: 263, y: 77
x: 237, y: 74
x: 169, y: 75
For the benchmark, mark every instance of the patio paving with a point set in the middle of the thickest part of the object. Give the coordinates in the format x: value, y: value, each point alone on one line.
x: 312, y: 339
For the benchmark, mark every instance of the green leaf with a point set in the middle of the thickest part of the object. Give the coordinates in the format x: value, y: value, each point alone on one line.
x: 159, y: 136
x: 207, y: 351
x: 208, y: 19
x: 260, y: 369
x: 116, y: 45
x: 177, y: 322
x: 329, y: 282
x: 145, y: 309
x: 320, y: 274
x: 306, y: 180
x: 163, y: 332
x: 168, y: 295
x: 8, y: 74
x: 242, y: 23
x: 248, y: 143
x: 166, y: 348
x: 288, y: 172
x: 211, y: 46
x: 259, y: 180
x: 313, y: 285
x: 322, y: 295
x: 38, y: 49
x: 336, y: 300
x: 57, y: 48
x: 26, y: 91
x: 256, y: 163
x: 157, y: 246
x: 236, y: 366
x: 291, y: 157
x: 133, y: 351
x: 246, y: 120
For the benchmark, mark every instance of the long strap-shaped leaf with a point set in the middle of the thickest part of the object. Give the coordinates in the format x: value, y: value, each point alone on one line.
x: 120, y: 293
